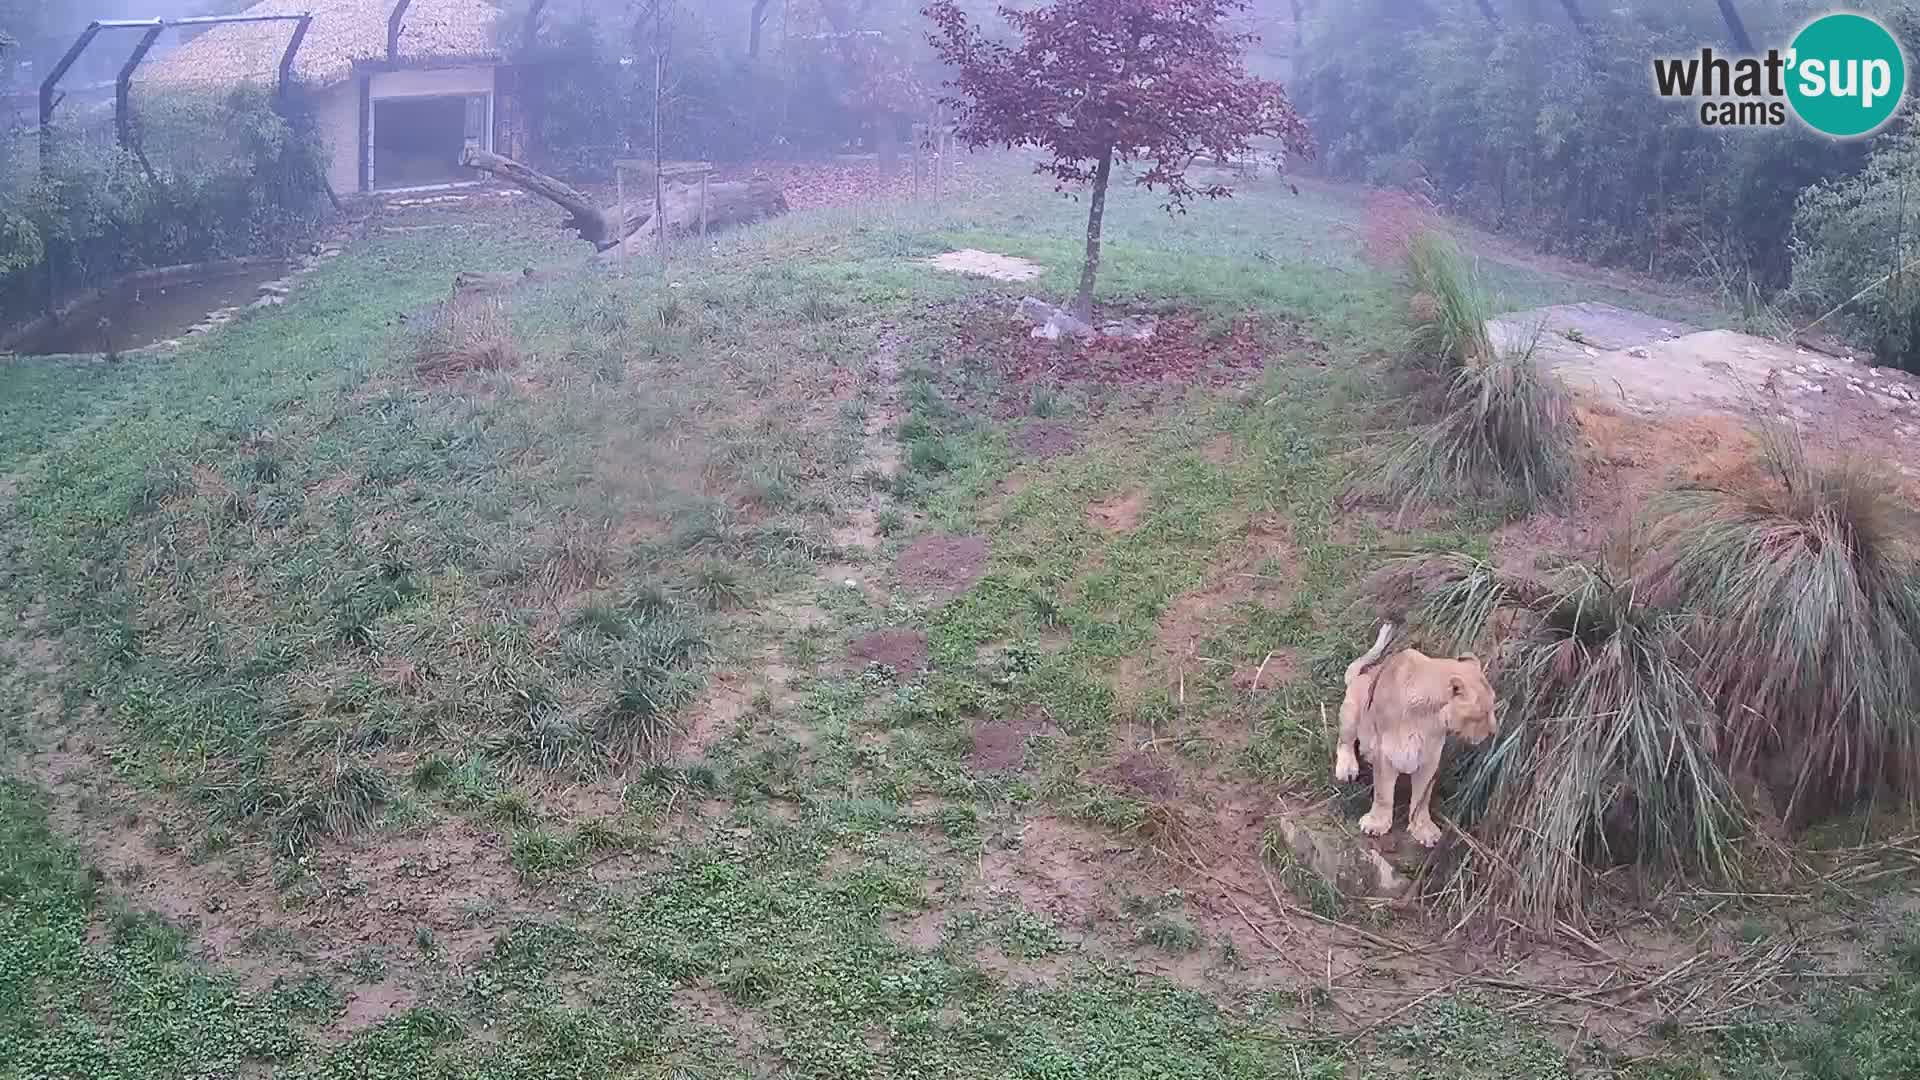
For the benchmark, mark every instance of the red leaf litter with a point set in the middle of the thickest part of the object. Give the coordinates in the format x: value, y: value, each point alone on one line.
x: 1180, y: 352
x: 813, y: 184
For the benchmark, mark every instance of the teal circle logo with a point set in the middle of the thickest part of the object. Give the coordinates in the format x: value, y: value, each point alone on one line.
x: 1846, y: 75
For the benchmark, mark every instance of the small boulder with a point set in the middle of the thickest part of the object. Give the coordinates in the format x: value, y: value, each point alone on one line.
x: 1050, y: 322
x: 1343, y: 860
x: 1131, y: 328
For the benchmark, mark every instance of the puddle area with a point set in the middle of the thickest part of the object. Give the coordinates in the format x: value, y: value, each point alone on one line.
x: 132, y: 316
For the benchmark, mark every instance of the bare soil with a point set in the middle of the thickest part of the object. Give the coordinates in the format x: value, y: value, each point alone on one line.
x: 1119, y: 514
x: 987, y: 264
x: 1182, y: 351
x: 1143, y: 773
x: 1044, y: 440
x: 1001, y: 745
x: 902, y: 649
x: 942, y: 563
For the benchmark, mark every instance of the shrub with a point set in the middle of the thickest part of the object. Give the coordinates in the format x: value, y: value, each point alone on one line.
x: 655, y: 680
x: 343, y: 799
x: 1543, y: 132
x: 216, y: 176
x: 1856, y: 243
x: 1615, y: 762
x: 1806, y: 616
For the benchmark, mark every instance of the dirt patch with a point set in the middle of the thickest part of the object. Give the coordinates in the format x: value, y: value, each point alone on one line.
x: 1143, y: 774
x: 987, y: 264
x: 921, y: 933
x: 1120, y: 514
x: 745, y: 1030
x: 1625, y: 460
x: 1278, y: 668
x: 942, y: 563
x: 374, y: 894
x: 1182, y: 351
x: 713, y: 715
x: 1258, y: 568
x: 369, y: 1006
x: 899, y: 648
x: 1394, y: 218
x: 1055, y: 867
x: 1044, y: 440
x: 1219, y: 450
x: 1041, y: 971
x: 1001, y: 745
x: 729, y: 697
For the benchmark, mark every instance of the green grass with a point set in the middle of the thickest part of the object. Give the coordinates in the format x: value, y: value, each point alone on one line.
x: 45, y: 398
x: 324, y: 606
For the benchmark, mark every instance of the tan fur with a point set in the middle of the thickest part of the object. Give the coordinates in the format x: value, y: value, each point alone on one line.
x: 1397, y: 712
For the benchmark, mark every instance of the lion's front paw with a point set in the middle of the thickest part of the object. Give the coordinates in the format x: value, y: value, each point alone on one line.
x: 1376, y: 822
x: 1346, y: 768
x: 1424, y: 831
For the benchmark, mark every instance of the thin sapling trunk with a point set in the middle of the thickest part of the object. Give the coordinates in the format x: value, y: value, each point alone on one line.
x: 1083, y: 301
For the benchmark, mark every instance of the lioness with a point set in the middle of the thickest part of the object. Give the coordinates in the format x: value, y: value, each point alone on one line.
x: 1399, y: 710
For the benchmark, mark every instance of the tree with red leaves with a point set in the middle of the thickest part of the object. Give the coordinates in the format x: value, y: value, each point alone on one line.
x: 1157, y: 81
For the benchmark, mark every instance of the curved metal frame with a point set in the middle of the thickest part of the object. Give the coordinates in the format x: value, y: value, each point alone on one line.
x: 123, y: 86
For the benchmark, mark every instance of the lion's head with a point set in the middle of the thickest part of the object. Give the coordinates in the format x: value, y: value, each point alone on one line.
x: 1470, y: 712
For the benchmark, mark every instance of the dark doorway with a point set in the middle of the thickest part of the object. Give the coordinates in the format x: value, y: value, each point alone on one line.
x: 417, y: 141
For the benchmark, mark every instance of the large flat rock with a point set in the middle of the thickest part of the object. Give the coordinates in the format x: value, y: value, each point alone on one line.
x: 1648, y: 364
x: 1590, y: 325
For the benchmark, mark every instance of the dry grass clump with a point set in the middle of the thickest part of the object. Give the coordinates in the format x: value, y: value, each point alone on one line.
x: 1505, y: 427
x: 1451, y: 306
x: 1507, y: 430
x: 1606, y: 754
x: 469, y: 333
x: 1804, y: 605
x: 1769, y: 631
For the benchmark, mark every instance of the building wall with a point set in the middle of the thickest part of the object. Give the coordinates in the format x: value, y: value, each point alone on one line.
x: 338, y: 110
x: 430, y: 81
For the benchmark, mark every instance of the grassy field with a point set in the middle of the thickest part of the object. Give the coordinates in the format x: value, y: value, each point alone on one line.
x: 783, y: 669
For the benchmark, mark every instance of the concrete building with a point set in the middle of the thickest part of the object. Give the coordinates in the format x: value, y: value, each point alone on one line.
x: 392, y: 120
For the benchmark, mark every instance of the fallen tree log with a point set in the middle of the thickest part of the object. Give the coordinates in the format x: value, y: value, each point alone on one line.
x: 734, y: 202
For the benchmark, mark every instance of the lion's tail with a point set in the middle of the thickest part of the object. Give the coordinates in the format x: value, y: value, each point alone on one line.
x: 1372, y: 656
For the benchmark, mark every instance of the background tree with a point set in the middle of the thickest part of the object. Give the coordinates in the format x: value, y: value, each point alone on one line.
x: 1161, y: 82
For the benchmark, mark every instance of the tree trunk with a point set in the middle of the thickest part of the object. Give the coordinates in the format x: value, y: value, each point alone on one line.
x: 730, y: 203
x: 595, y: 225
x: 886, y: 149
x: 1577, y: 18
x: 530, y: 29
x: 733, y: 202
x: 1083, y: 301
x: 754, y: 22
x: 1736, y: 27
x: 659, y: 184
